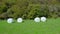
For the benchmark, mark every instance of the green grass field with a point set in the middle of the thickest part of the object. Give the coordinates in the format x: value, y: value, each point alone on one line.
x: 51, y: 26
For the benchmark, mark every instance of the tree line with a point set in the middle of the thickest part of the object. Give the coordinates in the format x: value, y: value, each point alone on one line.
x: 29, y: 9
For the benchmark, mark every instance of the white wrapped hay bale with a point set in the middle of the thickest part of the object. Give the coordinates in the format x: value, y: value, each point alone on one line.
x: 43, y: 19
x: 10, y: 20
x: 19, y: 20
x: 37, y: 19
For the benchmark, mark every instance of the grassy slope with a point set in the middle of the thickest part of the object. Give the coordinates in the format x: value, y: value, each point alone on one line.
x: 52, y: 26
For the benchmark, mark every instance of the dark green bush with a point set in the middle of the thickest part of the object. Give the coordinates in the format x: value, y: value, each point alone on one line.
x: 29, y: 9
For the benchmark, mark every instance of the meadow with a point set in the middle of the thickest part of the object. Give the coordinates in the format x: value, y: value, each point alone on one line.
x: 51, y: 26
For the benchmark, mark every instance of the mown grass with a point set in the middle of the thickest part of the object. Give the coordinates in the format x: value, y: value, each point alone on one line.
x: 51, y: 26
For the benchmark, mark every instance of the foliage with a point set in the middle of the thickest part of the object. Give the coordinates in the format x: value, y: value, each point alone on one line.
x: 29, y: 9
